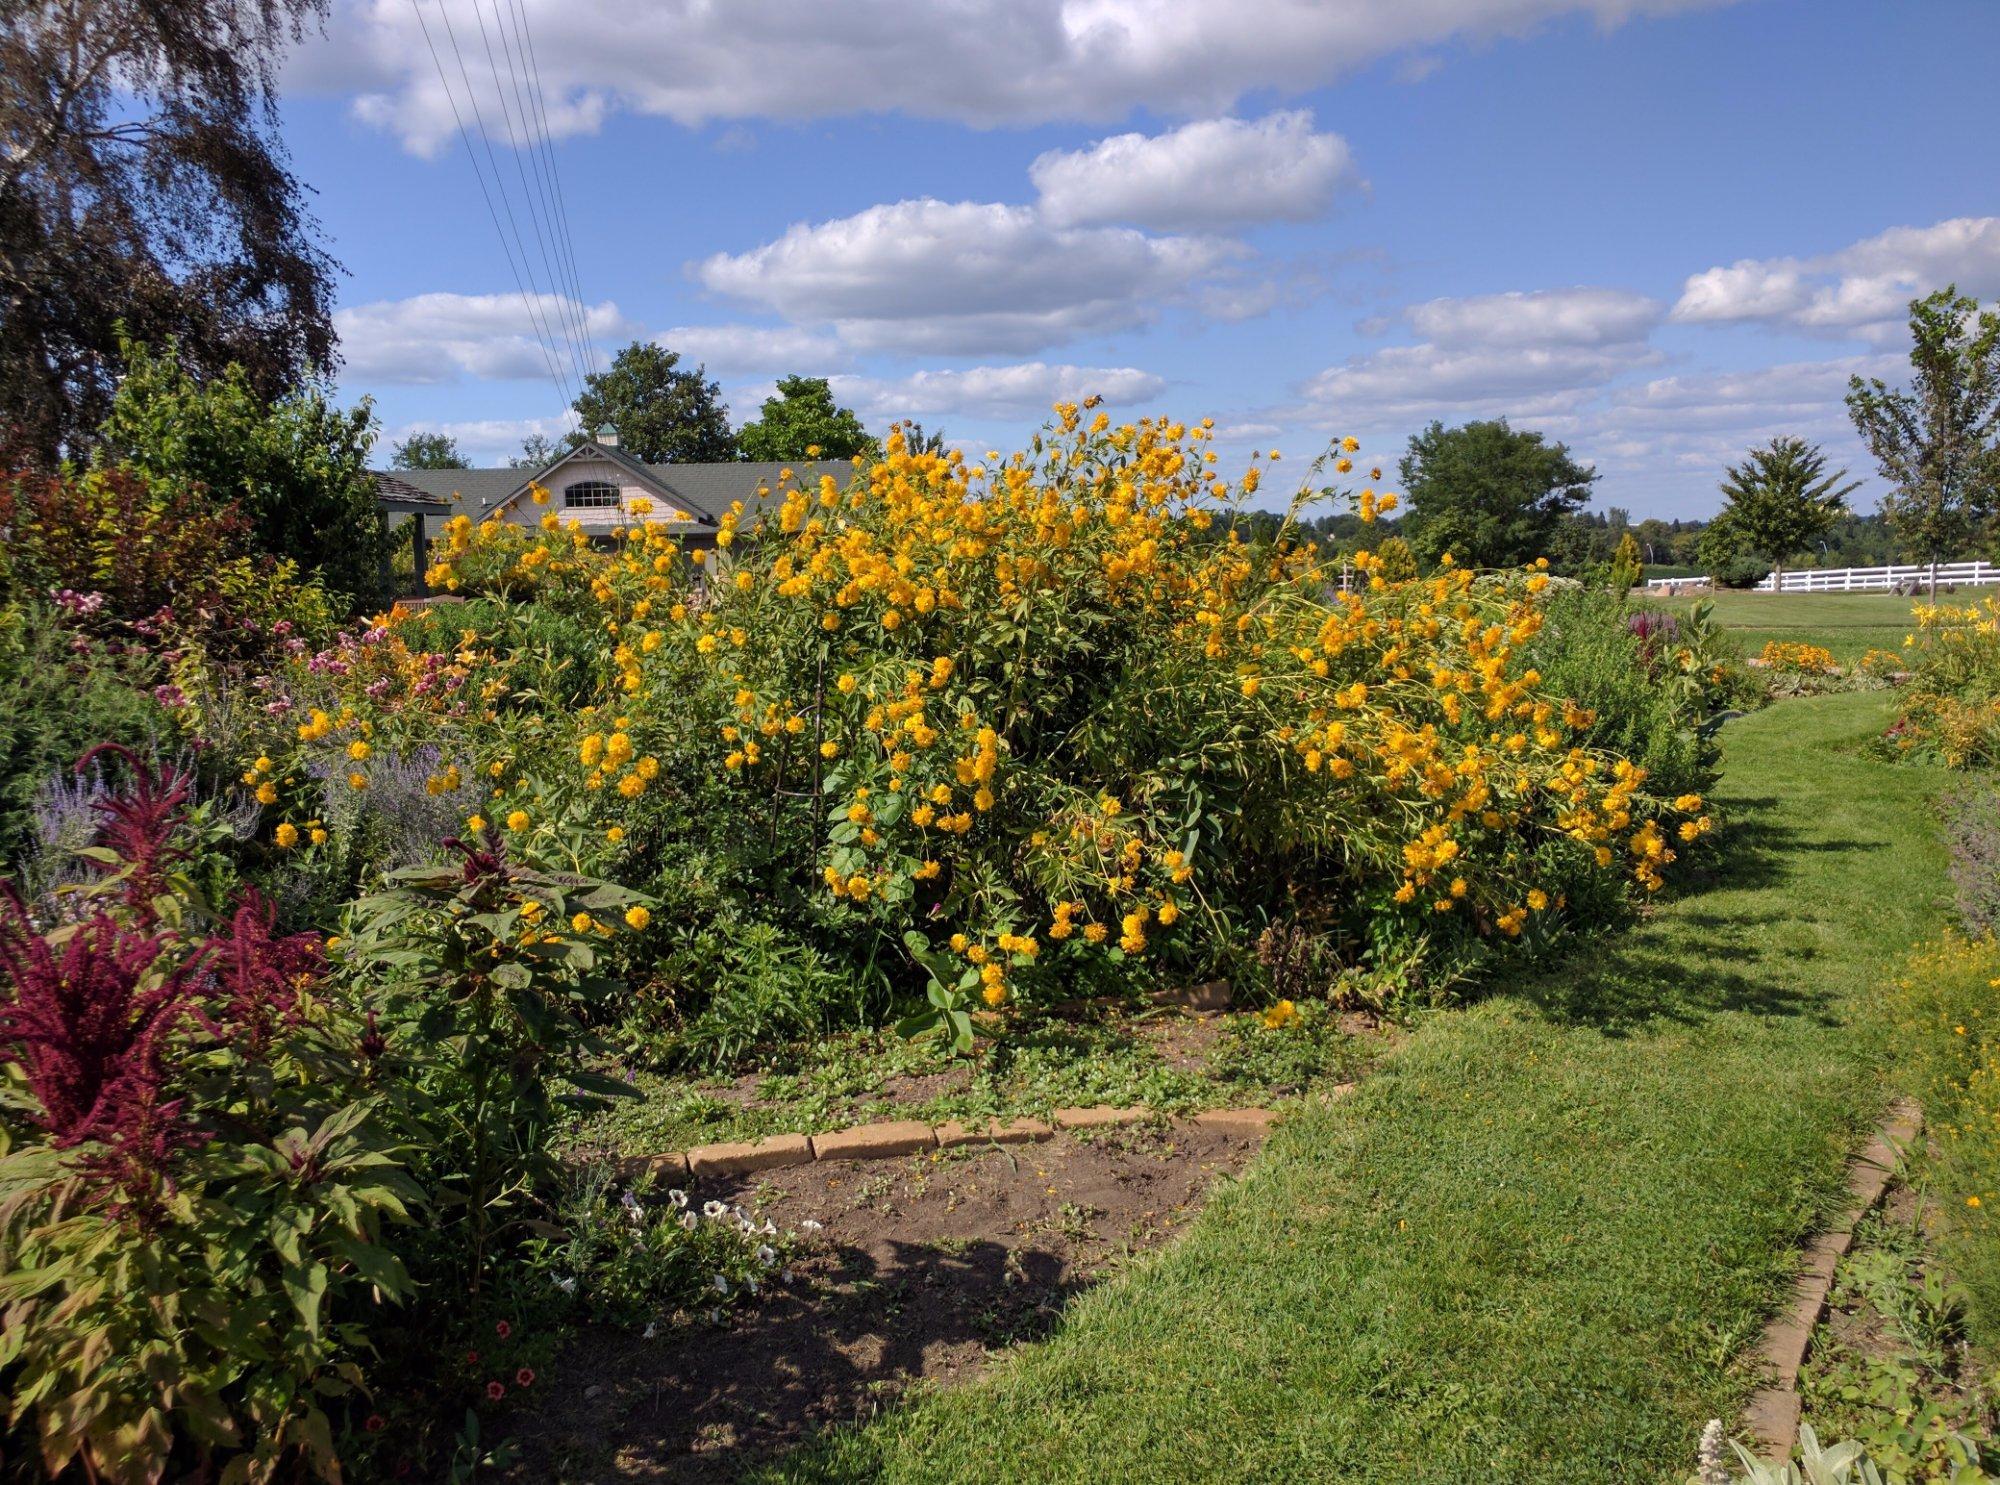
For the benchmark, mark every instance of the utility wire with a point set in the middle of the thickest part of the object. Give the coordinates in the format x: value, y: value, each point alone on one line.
x: 534, y: 200
x: 546, y: 140
x: 536, y: 309
x: 548, y: 358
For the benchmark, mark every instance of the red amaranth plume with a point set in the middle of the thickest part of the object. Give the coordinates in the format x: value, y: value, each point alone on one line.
x: 255, y: 977
x: 87, y: 1023
x: 137, y: 824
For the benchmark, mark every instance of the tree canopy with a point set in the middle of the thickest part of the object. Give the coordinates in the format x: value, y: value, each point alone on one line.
x: 1487, y: 494
x: 1937, y: 442
x: 428, y: 451
x: 1780, y: 499
x: 297, y: 468
x: 804, y: 422
x: 661, y: 413
x: 144, y: 193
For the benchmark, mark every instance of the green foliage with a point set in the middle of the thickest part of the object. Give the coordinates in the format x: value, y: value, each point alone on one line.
x: 1627, y: 571
x: 1651, y: 695
x: 60, y: 694
x: 1399, y: 563
x: 662, y: 414
x: 428, y: 451
x: 489, y: 973
x: 1488, y: 494
x: 296, y: 469
x: 192, y: 1266
x: 628, y: 1256
x: 1938, y: 441
x: 1893, y: 1374
x: 804, y: 422
x: 1780, y: 500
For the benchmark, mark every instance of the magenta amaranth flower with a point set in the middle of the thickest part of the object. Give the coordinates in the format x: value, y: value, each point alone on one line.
x: 252, y: 987
x: 138, y: 824
x: 87, y: 1024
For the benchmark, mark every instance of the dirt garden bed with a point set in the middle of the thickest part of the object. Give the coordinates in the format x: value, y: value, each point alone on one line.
x: 918, y: 1270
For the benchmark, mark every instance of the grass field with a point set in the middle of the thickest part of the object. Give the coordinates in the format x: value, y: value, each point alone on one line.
x: 1537, y: 1243
x: 1848, y: 624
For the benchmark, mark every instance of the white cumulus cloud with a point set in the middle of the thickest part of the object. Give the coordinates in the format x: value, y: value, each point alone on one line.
x: 783, y: 349
x: 430, y: 338
x: 1542, y: 317
x: 982, y: 62
x: 1024, y: 390
x: 1216, y: 173
x: 964, y: 278
x: 1861, y: 291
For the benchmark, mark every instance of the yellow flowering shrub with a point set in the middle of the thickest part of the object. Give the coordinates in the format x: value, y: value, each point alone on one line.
x: 1798, y: 659
x: 1053, y: 712
x: 1950, y: 704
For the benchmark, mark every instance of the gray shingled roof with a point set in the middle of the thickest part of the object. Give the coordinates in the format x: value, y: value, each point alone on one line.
x: 703, y: 490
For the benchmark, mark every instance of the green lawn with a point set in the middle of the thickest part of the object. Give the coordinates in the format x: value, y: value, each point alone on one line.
x: 1537, y: 1242
x: 1848, y: 624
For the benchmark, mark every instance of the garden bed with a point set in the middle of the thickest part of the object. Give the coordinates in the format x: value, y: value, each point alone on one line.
x: 922, y: 1269
x: 1165, y: 1059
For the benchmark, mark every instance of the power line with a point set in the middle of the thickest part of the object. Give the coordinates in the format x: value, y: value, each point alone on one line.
x: 545, y: 139
x: 524, y: 270
x: 522, y: 136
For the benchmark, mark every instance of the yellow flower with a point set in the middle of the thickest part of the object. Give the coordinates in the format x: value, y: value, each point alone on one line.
x: 580, y: 923
x: 1281, y: 1014
x: 267, y: 793
x: 615, y: 834
x: 357, y: 780
x: 475, y: 823
x: 288, y: 836
x: 358, y: 750
x: 518, y: 820
x: 637, y: 917
x: 317, y: 836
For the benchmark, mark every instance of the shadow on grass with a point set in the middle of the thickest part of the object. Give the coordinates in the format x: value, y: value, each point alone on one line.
x: 709, y: 1403
x: 1708, y: 960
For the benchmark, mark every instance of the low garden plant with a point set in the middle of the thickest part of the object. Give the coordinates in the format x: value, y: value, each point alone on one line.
x: 1950, y: 703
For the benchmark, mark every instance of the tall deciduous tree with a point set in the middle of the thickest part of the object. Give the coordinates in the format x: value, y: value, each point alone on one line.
x: 1780, y: 499
x: 804, y: 422
x: 428, y: 451
x: 1938, y: 440
x: 142, y: 183
x: 296, y: 468
x: 662, y: 414
x: 1488, y: 494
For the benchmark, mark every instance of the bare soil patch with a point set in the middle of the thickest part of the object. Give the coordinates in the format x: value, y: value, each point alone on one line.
x: 923, y: 1268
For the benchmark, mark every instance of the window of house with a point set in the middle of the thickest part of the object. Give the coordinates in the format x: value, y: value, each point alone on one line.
x: 590, y: 495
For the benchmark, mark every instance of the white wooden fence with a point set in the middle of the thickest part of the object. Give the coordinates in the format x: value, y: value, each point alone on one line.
x: 1862, y: 579
x: 1881, y: 579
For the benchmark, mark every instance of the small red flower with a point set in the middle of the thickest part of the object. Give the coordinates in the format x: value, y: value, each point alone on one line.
x: 495, y: 1391
x: 502, y: 1329
x: 472, y: 1358
x: 376, y: 1423
x: 525, y: 1377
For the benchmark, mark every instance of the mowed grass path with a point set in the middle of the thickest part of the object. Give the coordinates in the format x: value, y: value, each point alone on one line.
x: 1848, y: 624
x: 1536, y: 1245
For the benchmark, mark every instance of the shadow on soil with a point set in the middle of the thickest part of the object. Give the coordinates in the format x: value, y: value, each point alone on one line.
x: 715, y: 1400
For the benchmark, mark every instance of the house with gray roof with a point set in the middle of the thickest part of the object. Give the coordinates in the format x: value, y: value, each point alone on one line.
x: 599, y: 486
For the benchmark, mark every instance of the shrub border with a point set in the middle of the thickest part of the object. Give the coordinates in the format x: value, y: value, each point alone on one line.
x: 1774, y: 1409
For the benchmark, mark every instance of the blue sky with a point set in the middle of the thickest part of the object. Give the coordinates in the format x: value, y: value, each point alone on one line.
x: 1660, y: 230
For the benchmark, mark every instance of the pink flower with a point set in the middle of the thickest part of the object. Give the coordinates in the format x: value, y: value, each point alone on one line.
x: 495, y: 1391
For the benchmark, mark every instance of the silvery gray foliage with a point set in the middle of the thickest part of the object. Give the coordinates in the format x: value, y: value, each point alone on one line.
x: 404, y: 823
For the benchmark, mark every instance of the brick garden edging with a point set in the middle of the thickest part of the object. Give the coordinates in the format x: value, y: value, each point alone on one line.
x: 1773, y: 1414
x: 895, y: 1138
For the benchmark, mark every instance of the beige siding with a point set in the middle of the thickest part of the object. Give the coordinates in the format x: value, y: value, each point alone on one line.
x: 524, y: 512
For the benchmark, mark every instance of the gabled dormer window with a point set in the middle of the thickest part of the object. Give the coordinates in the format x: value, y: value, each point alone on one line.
x: 591, y: 495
